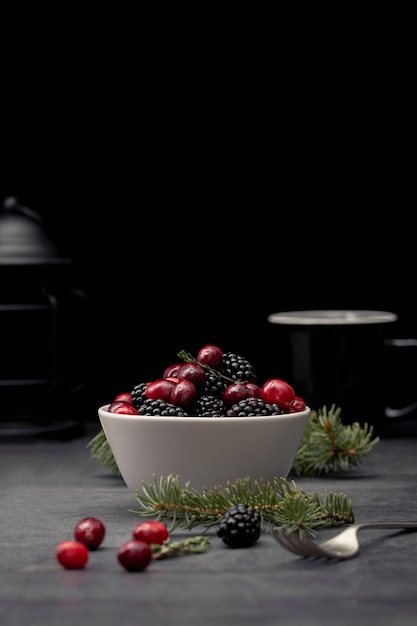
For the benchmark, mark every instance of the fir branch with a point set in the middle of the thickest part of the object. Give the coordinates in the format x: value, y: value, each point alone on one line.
x: 328, y: 445
x: 101, y: 453
x: 281, y: 504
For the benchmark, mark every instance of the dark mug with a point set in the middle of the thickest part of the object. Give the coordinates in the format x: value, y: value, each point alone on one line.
x: 347, y: 358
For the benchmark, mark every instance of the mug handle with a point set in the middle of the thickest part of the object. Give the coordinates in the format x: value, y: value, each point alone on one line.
x: 389, y: 411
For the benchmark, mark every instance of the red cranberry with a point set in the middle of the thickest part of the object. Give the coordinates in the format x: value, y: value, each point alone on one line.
x: 151, y: 532
x: 72, y: 554
x: 90, y: 531
x: 135, y: 555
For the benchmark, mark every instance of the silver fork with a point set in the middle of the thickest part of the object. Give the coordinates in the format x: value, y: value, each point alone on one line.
x: 344, y: 545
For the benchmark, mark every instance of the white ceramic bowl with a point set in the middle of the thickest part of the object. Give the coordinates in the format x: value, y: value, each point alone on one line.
x: 206, y: 451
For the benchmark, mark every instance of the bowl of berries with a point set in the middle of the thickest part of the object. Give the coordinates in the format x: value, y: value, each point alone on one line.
x: 208, y: 421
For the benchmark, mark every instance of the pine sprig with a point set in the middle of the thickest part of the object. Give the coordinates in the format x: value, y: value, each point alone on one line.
x: 101, y: 453
x: 280, y: 503
x: 329, y: 446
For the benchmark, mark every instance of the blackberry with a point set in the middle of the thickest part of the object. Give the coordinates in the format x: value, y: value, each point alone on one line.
x: 160, y: 407
x: 138, y: 395
x: 210, y: 406
x: 240, y: 526
x: 252, y: 407
x: 214, y: 384
x: 238, y: 368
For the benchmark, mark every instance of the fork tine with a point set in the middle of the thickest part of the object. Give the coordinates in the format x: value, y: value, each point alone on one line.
x: 305, y: 545
x: 308, y: 547
x: 301, y: 546
x: 286, y: 543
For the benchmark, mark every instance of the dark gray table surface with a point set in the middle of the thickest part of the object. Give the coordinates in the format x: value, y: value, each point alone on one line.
x: 47, y: 486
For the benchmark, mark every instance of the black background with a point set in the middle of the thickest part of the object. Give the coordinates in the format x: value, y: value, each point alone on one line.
x: 195, y: 203
x: 175, y: 256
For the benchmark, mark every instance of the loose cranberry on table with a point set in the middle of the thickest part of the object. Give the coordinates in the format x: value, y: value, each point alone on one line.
x: 151, y: 532
x: 72, y: 554
x: 135, y: 555
x: 90, y: 531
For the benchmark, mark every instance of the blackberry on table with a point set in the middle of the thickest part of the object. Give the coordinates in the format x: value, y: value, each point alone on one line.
x: 240, y: 526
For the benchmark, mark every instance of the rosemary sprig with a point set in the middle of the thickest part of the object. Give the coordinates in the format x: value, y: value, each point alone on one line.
x: 328, y: 445
x: 281, y: 504
x: 186, y: 356
x: 191, y: 545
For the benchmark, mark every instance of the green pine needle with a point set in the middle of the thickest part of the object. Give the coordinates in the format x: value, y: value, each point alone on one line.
x: 329, y: 446
x: 282, y: 504
x: 101, y: 453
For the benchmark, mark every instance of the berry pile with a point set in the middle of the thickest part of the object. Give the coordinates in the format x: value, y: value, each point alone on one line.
x: 214, y: 384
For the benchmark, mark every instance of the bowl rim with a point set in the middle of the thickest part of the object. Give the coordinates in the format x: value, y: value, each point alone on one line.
x: 203, y: 420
